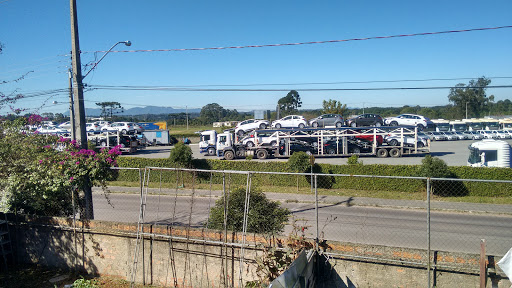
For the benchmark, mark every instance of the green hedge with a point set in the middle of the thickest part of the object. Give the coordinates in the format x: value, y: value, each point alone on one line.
x: 358, y: 183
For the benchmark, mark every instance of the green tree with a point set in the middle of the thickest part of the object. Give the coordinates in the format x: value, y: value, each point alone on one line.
x: 471, y: 97
x: 290, y: 103
x: 109, y: 109
x: 334, y: 107
x: 265, y: 216
x: 212, y: 112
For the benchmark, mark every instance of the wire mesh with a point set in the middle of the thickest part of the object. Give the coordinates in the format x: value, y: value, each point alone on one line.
x: 216, y: 207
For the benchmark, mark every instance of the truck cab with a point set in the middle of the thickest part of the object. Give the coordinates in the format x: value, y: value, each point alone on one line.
x: 489, y: 153
x: 208, y: 142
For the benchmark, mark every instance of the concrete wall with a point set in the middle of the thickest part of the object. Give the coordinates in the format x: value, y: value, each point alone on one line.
x: 107, y: 248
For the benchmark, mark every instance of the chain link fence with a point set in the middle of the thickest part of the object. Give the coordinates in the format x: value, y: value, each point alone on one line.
x: 430, y: 214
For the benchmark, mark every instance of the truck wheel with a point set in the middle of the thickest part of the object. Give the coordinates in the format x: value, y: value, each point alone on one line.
x: 339, y: 124
x: 315, y: 124
x: 393, y: 142
x: 355, y: 150
x: 263, y: 126
x: 229, y: 155
x: 211, y: 151
x: 250, y: 144
x: 382, y: 153
x: 395, y: 153
x: 262, y: 154
x: 301, y: 126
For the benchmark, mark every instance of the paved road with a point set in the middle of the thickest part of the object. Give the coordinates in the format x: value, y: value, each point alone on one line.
x: 454, y: 153
x: 457, y: 232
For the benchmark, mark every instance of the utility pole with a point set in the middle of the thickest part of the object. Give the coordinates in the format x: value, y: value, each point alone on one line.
x: 71, y: 106
x: 466, y: 110
x: 78, y: 91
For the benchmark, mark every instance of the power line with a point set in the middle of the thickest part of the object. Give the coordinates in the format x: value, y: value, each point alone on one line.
x: 163, y: 88
x: 323, y: 83
x: 309, y: 42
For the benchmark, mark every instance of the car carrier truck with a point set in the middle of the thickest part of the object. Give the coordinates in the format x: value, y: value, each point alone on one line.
x: 226, y: 145
x: 326, y: 142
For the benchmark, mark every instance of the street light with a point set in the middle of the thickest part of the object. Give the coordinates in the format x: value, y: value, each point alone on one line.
x: 127, y: 43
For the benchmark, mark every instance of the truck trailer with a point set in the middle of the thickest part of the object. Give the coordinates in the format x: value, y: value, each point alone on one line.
x: 327, y: 142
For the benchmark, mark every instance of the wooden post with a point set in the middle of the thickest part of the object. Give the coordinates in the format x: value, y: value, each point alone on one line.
x: 483, y: 266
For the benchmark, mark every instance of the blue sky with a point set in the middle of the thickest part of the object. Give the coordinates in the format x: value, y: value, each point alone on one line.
x: 36, y: 37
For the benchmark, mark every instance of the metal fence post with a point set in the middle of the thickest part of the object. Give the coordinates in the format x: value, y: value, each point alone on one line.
x: 428, y: 234
x: 316, y: 212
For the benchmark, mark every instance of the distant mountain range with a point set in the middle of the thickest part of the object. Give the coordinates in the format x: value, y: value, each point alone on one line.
x: 141, y: 111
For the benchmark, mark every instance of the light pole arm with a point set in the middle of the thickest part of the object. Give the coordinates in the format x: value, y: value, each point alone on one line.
x: 127, y: 43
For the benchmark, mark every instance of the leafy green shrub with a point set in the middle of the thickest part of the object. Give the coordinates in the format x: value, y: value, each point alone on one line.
x: 369, y: 184
x: 265, y: 216
x: 299, y: 162
x: 354, y: 160
x: 181, y: 155
x: 85, y: 283
x: 434, y: 167
x: 39, y: 172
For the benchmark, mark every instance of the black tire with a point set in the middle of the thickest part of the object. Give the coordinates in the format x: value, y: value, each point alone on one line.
x: 123, y: 131
x: 353, y: 125
x: 103, y: 144
x: 278, y: 126
x: 263, y: 126
x: 309, y: 153
x: 229, y: 155
x: 395, y: 153
x: 393, y: 142
x: 382, y: 153
x: 261, y: 154
x: 378, y: 124
x: 240, y: 132
x: 355, y: 150
x: 393, y: 123
x: 421, y: 127
x: 211, y: 151
x: 339, y: 124
x: 301, y: 126
x: 315, y: 125
x: 250, y: 144
x: 331, y: 151
x: 420, y: 144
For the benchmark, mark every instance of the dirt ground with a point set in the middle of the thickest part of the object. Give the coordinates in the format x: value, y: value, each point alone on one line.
x: 34, y: 276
